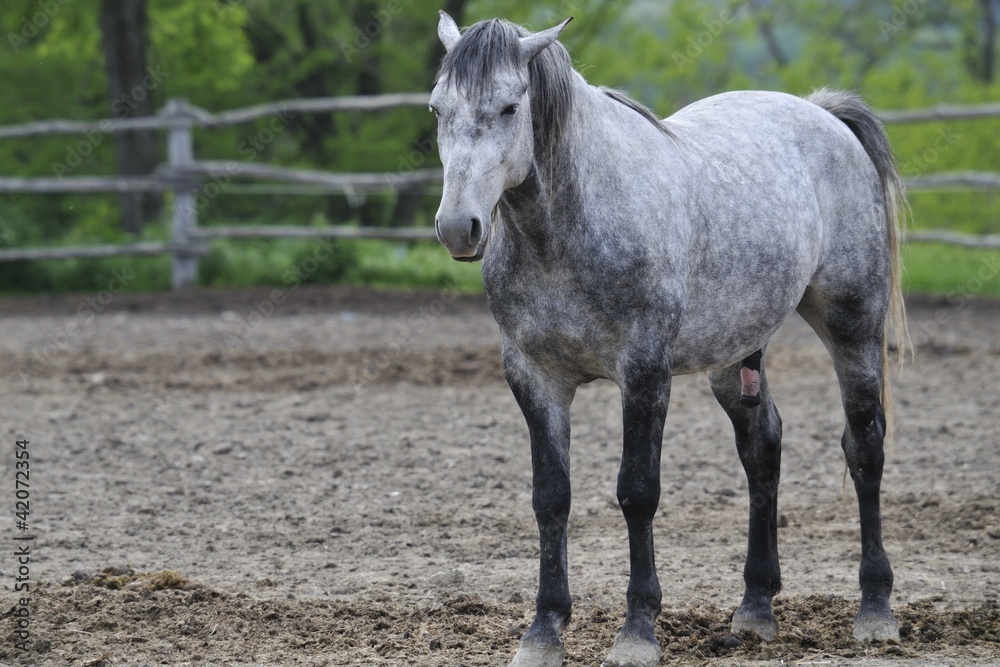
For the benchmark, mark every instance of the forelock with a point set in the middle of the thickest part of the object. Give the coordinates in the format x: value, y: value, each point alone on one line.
x: 490, y: 47
x: 485, y: 49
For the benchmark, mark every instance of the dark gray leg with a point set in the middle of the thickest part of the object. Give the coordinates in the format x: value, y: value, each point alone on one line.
x: 758, y: 441
x: 545, y: 404
x: 851, y: 328
x: 860, y: 386
x: 645, y: 394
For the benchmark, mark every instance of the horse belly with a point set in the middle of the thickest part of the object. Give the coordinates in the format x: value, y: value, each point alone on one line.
x: 703, y: 345
x: 735, y: 307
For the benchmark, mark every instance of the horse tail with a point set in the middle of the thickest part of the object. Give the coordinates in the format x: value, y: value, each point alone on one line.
x: 862, y: 121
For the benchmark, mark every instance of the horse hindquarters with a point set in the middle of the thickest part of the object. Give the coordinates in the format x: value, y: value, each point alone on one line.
x: 851, y: 298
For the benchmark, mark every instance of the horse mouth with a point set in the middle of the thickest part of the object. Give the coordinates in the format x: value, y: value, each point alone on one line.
x: 480, y: 251
x: 475, y: 258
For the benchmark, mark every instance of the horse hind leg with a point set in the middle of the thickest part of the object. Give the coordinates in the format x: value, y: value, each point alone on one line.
x: 852, y: 331
x: 757, y: 426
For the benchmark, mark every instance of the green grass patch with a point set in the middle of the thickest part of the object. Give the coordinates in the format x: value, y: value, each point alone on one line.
x: 420, y: 264
x: 374, y: 263
x: 928, y: 268
x: 933, y: 268
x: 117, y: 274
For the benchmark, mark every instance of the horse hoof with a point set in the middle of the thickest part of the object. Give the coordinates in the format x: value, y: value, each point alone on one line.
x: 876, y: 628
x: 766, y: 627
x: 632, y: 652
x: 538, y: 655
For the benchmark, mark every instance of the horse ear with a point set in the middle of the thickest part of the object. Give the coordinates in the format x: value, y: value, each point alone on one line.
x: 532, y: 45
x: 447, y: 31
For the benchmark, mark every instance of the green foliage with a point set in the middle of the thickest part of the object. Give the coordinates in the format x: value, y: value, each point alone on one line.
x: 143, y: 274
x: 244, y: 263
x: 957, y: 273
x: 286, y: 262
x: 425, y: 264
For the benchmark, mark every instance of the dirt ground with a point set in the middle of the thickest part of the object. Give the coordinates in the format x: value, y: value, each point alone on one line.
x: 338, y: 476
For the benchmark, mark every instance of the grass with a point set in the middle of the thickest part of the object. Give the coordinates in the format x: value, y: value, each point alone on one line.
x: 374, y: 263
x: 932, y: 268
x: 423, y: 264
x: 928, y: 268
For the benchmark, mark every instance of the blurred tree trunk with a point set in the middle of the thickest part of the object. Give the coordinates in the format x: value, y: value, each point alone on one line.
x: 763, y: 18
x: 411, y: 198
x: 125, y: 40
x: 369, y: 82
x: 990, y: 39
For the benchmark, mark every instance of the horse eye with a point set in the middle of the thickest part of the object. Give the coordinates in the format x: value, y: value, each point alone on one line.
x: 509, y: 111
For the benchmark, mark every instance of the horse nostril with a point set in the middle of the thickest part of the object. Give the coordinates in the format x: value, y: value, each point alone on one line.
x: 475, y: 233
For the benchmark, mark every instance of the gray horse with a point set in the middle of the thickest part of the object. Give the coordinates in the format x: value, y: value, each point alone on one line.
x: 619, y: 246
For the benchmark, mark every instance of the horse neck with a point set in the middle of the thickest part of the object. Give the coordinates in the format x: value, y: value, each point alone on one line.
x: 547, y: 206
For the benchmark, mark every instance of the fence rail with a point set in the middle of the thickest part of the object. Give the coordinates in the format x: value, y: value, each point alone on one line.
x: 183, y: 175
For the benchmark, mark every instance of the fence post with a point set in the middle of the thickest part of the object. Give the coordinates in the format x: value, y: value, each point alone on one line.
x: 180, y: 154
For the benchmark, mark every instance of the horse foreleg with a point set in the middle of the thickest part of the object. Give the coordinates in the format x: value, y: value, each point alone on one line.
x: 545, y: 405
x: 758, y: 440
x: 645, y: 394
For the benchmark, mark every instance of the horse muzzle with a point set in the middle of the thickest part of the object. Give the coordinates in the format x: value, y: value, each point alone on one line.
x: 464, y: 237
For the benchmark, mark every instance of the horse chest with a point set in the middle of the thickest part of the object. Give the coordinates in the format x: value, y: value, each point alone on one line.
x: 559, y: 327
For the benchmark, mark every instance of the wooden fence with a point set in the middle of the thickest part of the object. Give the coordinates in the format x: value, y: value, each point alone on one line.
x: 184, y: 176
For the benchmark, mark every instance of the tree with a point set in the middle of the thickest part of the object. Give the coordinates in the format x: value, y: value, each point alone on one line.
x: 125, y: 42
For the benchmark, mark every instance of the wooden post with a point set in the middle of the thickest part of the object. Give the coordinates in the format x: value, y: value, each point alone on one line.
x: 180, y: 153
